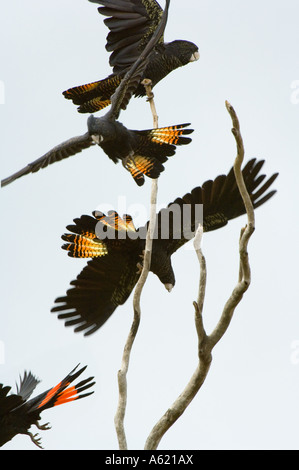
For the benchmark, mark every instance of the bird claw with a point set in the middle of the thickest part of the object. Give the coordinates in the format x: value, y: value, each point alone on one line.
x: 150, y: 96
x: 139, y: 268
x: 43, y: 427
x: 35, y: 439
x: 140, y: 265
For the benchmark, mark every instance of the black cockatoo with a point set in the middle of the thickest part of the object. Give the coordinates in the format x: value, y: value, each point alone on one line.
x: 131, y: 24
x: 141, y: 152
x: 18, y: 413
x: 110, y: 276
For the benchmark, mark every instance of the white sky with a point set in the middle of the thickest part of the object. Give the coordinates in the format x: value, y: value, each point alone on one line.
x: 249, y: 56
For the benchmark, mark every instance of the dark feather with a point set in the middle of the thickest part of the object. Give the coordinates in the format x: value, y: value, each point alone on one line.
x: 132, y: 25
x: 141, y: 152
x: 64, y: 150
x: 108, y: 281
x: 18, y: 414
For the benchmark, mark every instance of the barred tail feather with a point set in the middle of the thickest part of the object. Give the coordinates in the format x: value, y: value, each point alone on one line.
x: 172, y: 135
x: 113, y: 221
x: 93, y: 96
x: 86, y: 245
x: 94, y: 105
x: 141, y: 165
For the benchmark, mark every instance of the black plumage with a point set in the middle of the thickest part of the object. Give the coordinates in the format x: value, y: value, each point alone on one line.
x: 18, y: 413
x: 131, y: 24
x: 116, y: 246
x: 141, y: 152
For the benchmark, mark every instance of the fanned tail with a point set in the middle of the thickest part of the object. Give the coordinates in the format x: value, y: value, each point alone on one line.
x: 62, y: 392
x: 173, y: 135
x: 91, y: 237
x: 83, y: 242
x: 153, y: 149
x: 113, y: 221
x: 139, y: 166
x: 93, y: 96
x: 84, y: 246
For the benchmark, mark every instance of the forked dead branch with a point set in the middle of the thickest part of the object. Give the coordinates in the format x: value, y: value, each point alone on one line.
x: 206, y: 342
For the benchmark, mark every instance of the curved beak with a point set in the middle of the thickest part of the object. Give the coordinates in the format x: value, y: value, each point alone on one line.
x: 194, y: 57
x: 97, y: 138
x: 168, y: 287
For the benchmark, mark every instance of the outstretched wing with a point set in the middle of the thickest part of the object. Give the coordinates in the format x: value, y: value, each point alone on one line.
x: 131, y: 80
x: 103, y: 285
x: 64, y: 150
x: 108, y: 279
x: 221, y: 201
x: 131, y: 24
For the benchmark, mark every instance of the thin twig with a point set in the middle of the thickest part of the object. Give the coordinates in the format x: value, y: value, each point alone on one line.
x: 207, y: 343
x: 122, y: 373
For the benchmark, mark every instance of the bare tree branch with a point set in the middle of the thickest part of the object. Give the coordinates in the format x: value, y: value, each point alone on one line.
x: 150, y: 96
x: 202, y: 286
x: 244, y: 269
x: 122, y: 373
x: 207, y: 343
x: 198, y: 377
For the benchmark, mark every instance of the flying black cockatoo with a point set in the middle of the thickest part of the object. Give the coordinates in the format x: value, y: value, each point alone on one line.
x: 18, y: 414
x: 131, y: 24
x: 141, y: 152
x: 110, y: 276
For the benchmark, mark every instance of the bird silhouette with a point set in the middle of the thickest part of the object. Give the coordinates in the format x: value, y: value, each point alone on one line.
x: 18, y: 414
x: 116, y: 247
x: 131, y: 24
x: 142, y: 152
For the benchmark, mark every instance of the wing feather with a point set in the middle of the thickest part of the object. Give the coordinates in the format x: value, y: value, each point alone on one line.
x: 64, y: 150
x: 131, y: 25
x: 221, y: 202
x: 95, y: 295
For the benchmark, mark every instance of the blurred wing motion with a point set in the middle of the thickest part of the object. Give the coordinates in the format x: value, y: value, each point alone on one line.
x: 108, y: 280
x: 18, y: 414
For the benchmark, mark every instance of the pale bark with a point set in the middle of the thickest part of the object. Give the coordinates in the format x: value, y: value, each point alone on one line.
x: 206, y: 342
x: 122, y: 373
